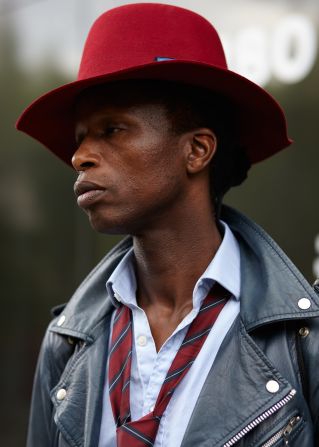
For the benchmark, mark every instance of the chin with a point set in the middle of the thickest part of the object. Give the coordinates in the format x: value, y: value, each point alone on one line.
x: 108, y: 226
x: 125, y: 222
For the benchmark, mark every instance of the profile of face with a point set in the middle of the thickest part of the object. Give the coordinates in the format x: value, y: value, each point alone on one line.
x: 132, y: 168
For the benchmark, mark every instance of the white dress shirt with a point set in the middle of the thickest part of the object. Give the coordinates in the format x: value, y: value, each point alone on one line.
x: 149, y: 367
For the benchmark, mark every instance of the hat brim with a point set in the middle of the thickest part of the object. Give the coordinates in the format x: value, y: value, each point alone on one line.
x: 260, y: 119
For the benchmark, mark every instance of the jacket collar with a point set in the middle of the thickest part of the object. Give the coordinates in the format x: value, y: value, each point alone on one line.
x: 90, y: 303
x: 277, y: 284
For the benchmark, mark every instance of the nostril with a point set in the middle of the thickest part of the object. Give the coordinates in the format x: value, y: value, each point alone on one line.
x: 84, y: 158
x: 87, y: 164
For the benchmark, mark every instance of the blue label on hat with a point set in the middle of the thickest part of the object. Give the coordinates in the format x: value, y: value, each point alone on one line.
x: 162, y: 59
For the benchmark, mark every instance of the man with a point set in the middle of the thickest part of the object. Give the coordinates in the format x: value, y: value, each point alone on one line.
x: 196, y: 330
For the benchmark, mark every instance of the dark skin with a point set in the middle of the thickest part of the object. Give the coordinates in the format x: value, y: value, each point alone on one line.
x: 137, y: 177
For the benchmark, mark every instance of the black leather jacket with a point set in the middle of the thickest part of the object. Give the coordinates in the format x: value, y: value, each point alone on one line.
x: 275, y: 338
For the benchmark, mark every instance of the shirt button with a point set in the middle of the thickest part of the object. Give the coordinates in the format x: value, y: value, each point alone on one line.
x: 304, y: 303
x: 61, y: 320
x: 142, y: 340
x: 60, y: 395
x: 272, y: 386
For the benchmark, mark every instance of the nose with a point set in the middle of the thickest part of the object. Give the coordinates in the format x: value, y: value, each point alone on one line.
x: 85, y: 157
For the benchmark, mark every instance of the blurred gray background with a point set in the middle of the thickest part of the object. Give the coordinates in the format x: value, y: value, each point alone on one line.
x: 47, y: 246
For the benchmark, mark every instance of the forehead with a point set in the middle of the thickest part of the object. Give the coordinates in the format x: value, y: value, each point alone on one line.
x: 125, y: 95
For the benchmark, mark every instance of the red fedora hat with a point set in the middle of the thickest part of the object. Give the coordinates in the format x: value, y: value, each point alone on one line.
x: 160, y: 42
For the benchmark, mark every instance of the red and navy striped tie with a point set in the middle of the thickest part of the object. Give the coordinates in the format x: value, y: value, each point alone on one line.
x: 143, y: 432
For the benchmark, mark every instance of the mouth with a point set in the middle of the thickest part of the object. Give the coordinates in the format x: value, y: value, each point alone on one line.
x: 87, y: 193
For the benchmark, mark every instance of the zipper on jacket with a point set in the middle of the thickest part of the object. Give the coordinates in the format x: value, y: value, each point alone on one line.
x: 301, y: 364
x: 261, y: 418
x: 284, y: 433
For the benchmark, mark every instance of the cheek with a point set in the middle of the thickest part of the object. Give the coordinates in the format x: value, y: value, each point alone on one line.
x: 162, y: 161
x: 155, y: 179
x: 151, y: 164
x: 158, y: 181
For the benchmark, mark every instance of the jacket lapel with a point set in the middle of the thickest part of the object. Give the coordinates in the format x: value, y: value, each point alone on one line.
x: 78, y: 416
x: 234, y: 394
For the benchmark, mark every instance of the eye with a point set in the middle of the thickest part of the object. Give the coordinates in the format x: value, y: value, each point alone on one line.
x: 110, y: 130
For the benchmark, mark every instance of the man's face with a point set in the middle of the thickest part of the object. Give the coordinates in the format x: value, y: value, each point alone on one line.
x: 131, y: 166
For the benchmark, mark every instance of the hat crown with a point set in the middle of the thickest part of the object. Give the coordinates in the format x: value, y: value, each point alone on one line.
x: 139, y: 34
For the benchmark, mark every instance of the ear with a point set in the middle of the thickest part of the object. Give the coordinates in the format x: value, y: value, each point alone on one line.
x: 201, y: 150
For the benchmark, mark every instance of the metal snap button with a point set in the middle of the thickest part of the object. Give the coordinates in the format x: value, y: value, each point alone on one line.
x: 61, y: 320
x: 272, y: 386
x: 304, y: 331
x: 304, y: 303
x: 71, y: 341
x: 60, y: 395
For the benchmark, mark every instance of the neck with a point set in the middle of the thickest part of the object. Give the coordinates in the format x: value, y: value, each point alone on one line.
x: 170, y: 259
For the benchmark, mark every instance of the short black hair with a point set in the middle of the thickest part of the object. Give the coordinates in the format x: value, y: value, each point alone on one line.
x: 191, y: 107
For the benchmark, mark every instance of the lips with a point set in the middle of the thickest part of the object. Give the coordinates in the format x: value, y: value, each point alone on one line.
x: 87, y: 193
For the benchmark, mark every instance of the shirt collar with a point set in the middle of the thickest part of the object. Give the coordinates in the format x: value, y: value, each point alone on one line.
x: 224, y: 268
x: 121, y: 285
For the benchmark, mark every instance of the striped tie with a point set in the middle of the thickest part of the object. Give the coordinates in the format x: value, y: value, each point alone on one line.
x: 143, y: 432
